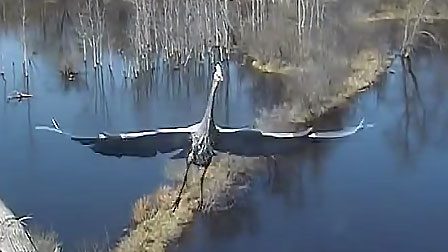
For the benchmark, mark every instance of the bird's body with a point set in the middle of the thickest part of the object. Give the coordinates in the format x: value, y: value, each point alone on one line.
x: 203, y: 139
x: 201, y: 152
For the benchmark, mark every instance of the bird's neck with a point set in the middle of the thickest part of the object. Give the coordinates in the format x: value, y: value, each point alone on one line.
x: 208, y: 116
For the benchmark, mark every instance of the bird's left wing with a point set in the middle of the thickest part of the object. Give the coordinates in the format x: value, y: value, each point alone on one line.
x: 345, y: 132
x: 132, y: 144
x: 253, y: 142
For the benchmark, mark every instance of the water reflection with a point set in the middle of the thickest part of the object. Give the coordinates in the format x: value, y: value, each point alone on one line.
x: 414, y: 129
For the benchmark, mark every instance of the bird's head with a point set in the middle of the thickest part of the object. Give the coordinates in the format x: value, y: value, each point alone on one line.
x: 217, y: 76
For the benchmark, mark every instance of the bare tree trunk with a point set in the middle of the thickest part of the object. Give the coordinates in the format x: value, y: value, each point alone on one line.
x: 4, y: 12
x: 99, y: 14
x: 124, y: 64
x: 138, y: 34
x: 165, y: 12
x: 25, y: 61
x: 253, y: 14
x: 154, y: 26
x: 408, y: 38
x: 109, y: 47
x: 312, y: 15
x: 2, y: 67
x: 83, y: 35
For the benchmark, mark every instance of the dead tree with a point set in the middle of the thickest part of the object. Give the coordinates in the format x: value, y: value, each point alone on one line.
x: 412, y: 29
x: 13, y: 235
x: 25, y: 61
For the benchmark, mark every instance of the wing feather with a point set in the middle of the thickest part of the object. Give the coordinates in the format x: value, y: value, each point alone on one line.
x: 254, y: 142
x: 345, y: 132
x: 133, y: 144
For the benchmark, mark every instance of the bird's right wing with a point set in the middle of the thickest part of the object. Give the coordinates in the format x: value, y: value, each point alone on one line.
x: 132, y: 144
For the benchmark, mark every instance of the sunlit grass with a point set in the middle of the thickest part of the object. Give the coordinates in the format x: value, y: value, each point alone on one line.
x: 46, y: 241
x: 156, y: 226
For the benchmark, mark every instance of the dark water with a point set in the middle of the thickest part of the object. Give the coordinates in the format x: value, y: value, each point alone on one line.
x: 82, y: 196
x: 381, y: 190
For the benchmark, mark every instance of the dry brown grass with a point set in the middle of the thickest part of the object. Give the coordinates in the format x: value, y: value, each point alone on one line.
x: 46, y: 241
x: 438, y: 10
x: 143, y: 209
x: 366, y: 67
x: 157, y: 226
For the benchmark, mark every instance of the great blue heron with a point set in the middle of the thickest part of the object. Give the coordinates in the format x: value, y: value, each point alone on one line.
x: 200, y: 141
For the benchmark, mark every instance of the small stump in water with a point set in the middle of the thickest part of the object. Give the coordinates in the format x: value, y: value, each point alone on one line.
x: 69, y: 74
x: 19, y: 96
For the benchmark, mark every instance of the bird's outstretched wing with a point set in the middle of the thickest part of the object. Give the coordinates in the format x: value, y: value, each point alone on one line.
x: 132, y: 144
x: 253, y: 142
x: 345, y: 132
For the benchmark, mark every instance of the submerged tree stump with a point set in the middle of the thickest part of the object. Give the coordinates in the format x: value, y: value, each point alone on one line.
x: 13, y: 236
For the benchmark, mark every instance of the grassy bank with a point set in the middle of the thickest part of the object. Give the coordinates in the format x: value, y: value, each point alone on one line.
x: 365, y: 69
x: 437, y: 10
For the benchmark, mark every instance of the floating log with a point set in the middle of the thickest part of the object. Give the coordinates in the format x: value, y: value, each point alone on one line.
x: 16, y: 95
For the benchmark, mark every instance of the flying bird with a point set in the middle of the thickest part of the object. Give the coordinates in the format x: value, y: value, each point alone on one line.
x: 201, y: 141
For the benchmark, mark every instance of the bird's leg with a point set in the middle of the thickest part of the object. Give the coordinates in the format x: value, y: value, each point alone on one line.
x: 201, y: 200
x: 176, y: 203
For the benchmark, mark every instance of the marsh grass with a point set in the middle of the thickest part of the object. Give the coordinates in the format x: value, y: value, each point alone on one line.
x: 155, y: 226
x: 314, y: 103
x: 390, y: 10
x: 45, y: 241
